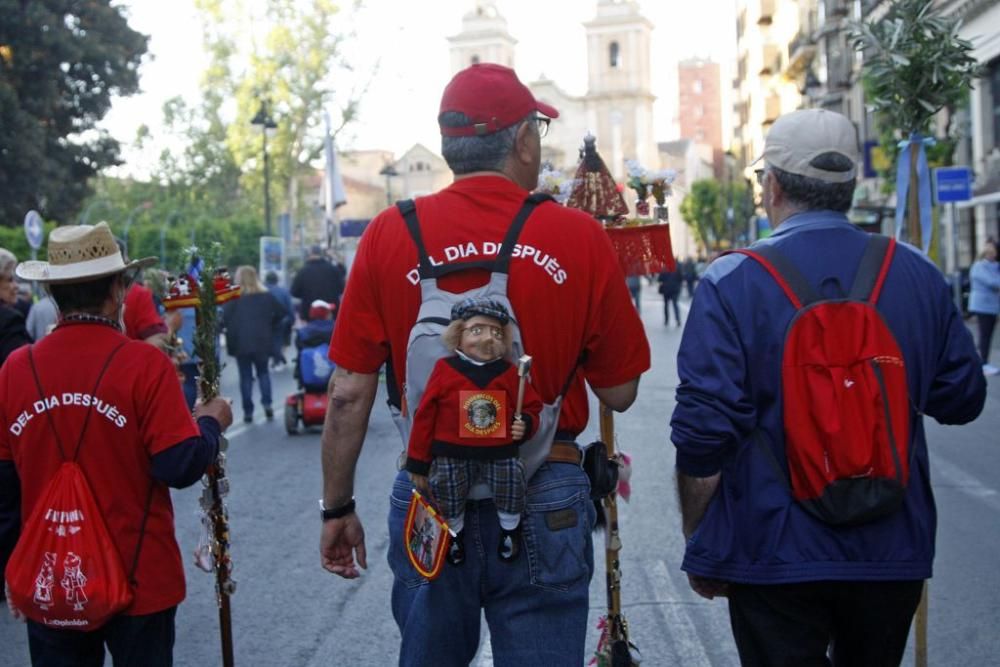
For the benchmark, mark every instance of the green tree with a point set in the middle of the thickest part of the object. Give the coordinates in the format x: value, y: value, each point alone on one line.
x: 736, y: 195
x: 702, y: 210
x: 915, y: 65
x: 60, y: 64
x: 291, y: 69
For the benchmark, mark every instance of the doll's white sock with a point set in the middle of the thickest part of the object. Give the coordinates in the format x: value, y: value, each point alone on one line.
x: 455, y: 524
x: 509, y: 521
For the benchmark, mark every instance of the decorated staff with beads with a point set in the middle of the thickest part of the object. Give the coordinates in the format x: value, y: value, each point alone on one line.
x: 642, y: 246
x: 213, y: 550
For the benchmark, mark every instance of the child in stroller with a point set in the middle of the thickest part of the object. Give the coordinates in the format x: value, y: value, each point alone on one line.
x: 313, y: 369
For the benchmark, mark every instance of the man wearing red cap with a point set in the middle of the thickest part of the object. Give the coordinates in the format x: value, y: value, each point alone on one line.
x: 578, y: 323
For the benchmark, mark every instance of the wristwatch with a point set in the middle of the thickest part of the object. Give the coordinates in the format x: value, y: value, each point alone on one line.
x: 336, y: 512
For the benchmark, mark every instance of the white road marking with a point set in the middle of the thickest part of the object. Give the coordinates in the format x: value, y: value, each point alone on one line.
x: 965, y: 482
x: 691, y: 651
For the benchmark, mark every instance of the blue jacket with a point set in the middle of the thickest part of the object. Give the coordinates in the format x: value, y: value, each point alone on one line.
x: 730, y: 369
x: 984, y: 294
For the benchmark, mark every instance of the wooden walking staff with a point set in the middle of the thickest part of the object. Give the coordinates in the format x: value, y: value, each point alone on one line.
x: 621, y: 650
x: 215, y: 288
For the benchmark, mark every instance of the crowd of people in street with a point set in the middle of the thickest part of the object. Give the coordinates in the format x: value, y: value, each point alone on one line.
x: 801, y: 587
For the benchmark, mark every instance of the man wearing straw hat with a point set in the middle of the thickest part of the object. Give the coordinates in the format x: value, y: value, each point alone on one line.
x: 140, y: 441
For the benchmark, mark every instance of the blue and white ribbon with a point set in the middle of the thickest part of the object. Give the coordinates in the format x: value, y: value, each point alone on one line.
x: 923, y: 186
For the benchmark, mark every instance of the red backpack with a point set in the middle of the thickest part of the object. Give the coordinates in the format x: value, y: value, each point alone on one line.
x: 65, y: 571
x: 846, y: 401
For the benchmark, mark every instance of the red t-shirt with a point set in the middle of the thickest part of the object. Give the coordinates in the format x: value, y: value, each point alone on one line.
x: 447, y: 423
x: 566, y: 287
x: 141, y: 318
x: 141, y: 412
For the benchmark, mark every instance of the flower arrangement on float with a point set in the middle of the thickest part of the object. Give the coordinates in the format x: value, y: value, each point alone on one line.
x: 554, y: 182
x: 645, y: 183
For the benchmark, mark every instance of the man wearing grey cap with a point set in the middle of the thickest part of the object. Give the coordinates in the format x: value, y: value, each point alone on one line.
x: 799, y: 587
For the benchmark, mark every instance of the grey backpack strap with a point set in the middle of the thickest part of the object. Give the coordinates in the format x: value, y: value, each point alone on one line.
x: 789, y: 272
x: 873, y: 265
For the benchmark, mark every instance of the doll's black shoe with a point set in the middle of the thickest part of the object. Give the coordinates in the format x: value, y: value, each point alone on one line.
x: 456, y: 551
x: 510, y: 544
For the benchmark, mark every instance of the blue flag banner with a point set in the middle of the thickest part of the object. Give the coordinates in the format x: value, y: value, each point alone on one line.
x: 915, y: 142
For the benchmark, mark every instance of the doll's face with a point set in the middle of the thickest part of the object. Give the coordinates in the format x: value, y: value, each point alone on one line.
x: 482, y: 338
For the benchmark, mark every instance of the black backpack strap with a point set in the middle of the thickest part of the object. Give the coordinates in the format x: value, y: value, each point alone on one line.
x: 408, y: 209
x: 873, y: 268
x: 501, y: 264
x: 514, y: 231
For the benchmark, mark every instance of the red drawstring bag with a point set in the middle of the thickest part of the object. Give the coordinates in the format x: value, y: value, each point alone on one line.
x: 65, y: 571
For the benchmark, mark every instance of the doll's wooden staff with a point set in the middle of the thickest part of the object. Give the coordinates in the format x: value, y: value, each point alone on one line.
x: 215, y: 288
x: 523, y: 366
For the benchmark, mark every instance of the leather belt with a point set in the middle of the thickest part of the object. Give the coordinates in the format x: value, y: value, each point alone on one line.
x: 565, y: 452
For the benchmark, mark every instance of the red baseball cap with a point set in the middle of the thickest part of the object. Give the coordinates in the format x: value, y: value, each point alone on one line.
x: 320, y: 309
x: 492, y: 96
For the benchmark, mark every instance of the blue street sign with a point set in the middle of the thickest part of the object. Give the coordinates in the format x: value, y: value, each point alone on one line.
x: 952, y: 184
x: 33, y: 229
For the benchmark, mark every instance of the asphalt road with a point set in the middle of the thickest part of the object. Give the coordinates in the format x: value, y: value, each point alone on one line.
x: 288, y: 611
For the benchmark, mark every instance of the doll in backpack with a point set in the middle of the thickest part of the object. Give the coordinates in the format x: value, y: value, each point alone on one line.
x: 465, y: 430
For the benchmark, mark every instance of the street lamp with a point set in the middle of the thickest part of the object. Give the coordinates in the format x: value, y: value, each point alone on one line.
x: 389, y: 172
x: 267, y: 126
x: 144, y: 206
x: 85, y: 216
x: 174, y: 215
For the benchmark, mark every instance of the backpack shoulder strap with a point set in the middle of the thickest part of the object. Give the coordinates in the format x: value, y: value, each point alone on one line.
x: 86, y: 419
x: 873, y: 268
x: 514, y: 231
x: 785, y: 273
x: 501, y: 264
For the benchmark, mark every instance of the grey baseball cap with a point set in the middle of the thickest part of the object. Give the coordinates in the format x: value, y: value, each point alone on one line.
x: 796, y: 139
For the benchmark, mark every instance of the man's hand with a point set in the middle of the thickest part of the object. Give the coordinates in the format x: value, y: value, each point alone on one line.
x: 340, y: 540
x: 517, y: 429
x: 708, y: 588
x: 218, y: 408
x: 420, y: 483
x: 14, y: 611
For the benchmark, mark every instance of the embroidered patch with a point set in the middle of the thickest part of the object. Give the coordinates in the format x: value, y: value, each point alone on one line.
x: 561, y: 519
x: 483, y: 414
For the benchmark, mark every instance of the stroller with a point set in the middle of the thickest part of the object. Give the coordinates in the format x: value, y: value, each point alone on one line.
x: 313, y: 369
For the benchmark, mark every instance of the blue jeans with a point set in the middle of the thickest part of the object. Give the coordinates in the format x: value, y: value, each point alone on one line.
x: 246, y: 365
x: 536, y: 606
x: 133, y: 641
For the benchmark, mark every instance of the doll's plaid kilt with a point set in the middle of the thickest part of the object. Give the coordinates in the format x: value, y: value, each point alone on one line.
x: 451, y: 479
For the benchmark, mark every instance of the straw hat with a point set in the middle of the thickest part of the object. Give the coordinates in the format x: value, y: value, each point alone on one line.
x: 78, y: 253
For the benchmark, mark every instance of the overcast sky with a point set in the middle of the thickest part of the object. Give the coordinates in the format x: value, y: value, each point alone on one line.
x: 409, y: 36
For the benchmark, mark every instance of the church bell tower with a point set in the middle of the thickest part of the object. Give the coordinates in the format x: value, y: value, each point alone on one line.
x: 484, y: 38
x: 619, y: 96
